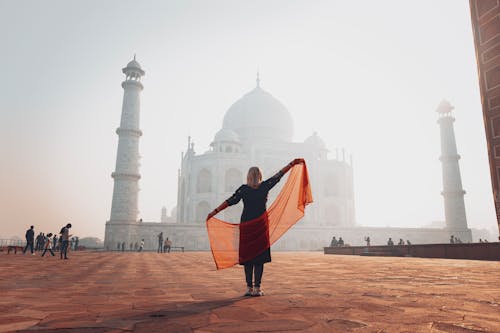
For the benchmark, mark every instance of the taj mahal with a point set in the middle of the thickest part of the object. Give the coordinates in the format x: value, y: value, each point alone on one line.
x: 257, y: 129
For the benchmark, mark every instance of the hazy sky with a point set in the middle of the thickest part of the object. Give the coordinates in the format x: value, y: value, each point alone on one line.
x: 367, y: 78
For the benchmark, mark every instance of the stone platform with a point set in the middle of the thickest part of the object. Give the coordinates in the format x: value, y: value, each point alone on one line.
x: 473, y: 251
x: 305, y: 292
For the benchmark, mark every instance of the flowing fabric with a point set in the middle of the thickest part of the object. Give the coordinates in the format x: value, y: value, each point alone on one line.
x: 237, y: 243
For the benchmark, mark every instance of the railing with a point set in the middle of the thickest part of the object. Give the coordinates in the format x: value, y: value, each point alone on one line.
x: 12, y: 242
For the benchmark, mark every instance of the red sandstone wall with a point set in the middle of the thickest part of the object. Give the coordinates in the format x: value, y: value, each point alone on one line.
x: 485, y: 16
x: 473, y: 251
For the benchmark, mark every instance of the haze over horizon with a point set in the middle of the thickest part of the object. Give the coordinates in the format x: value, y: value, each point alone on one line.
x: 367, y: 79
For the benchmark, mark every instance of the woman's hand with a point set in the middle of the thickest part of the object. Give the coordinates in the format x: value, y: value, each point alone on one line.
x: 287, y: 167
x: 298, y: 161
x: 221, y: 207
x: 211, y: 214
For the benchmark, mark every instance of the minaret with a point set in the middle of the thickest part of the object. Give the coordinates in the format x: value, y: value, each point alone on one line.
x: 163, y: 214
x: 126, y: 176
x: 453, y: 193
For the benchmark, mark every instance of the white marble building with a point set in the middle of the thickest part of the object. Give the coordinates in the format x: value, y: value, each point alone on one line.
x: 257, y: 130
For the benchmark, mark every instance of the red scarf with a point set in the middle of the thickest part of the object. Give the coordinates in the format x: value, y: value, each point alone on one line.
x: 237, y: 243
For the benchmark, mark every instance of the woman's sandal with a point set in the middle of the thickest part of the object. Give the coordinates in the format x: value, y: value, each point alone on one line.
x: 257, y: 292
x: 249, y: 292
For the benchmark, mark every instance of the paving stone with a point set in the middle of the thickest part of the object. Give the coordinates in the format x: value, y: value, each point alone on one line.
x: 305, y: 292
x: 18, y: 325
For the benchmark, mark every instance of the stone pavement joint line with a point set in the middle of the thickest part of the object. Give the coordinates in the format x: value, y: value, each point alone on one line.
x: 305, y: 292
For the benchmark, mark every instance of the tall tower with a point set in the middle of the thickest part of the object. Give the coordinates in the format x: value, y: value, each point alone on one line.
x: 126, y: 177
x: 453, y: 193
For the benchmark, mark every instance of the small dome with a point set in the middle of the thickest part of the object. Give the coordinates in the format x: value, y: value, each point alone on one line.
x: 134, y: 64
x: 226, y: 135
x: 133, y: 67
x: 316, y: 141
x: 444, y: 107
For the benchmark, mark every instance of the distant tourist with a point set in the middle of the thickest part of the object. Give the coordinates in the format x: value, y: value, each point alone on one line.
x: 401, y: 241
x: 42, y: 241
x: 118, y: 246
x: 452, y: 239
x: 48, y: 245
x: 136, y: 246
x: 367, y: 240
x: 334, y: 242
x: 65, y: 240
x: 160, y: 242
x: 485, y: 241
x: 480, y: 240
x: 340, y: 242
x: 142, y: 245
x: 390, y: 242
x: 168, y: 244
x: 30, y: 238
x: 76, y: 243
x: 123, y: 247
x: 39, y: 242
x: 408, y: 242
x: 54, y: 243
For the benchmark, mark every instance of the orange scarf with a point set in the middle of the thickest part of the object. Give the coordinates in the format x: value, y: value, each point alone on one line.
x: 259, y: 234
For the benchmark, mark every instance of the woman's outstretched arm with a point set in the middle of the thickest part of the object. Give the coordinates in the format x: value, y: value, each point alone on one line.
x: 233, y: 200
x: 222, y: 206
x: 271, y: 182
x: 287, y: 167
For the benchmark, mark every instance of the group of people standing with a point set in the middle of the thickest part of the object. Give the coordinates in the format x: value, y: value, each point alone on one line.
x: 50, y: 242
x: 137, y: 246
x: 390, y: 242
x: 455, y: 240
x: 336, y: 242
x: 163, y: 245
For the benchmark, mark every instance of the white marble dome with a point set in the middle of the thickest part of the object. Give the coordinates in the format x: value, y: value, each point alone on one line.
x: 226, y: 135
x: 259, y: 116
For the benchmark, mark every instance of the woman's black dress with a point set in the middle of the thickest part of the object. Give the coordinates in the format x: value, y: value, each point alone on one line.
x: 254, y: 205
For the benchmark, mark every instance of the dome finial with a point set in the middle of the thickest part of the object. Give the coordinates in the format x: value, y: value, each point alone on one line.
x: 134, y: 56
x: 258, y: 78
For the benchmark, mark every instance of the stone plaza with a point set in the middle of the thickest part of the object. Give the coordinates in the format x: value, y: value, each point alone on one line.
x: 305, y: 292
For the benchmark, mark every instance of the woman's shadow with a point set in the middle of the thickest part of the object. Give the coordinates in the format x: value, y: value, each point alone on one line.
x: 176, y: 316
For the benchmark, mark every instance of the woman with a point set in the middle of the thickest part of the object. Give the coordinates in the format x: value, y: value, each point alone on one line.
x: 48, y: 245
x: 254, y: 196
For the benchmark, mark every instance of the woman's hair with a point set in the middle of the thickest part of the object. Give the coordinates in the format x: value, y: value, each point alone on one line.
x: 254, y: 177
